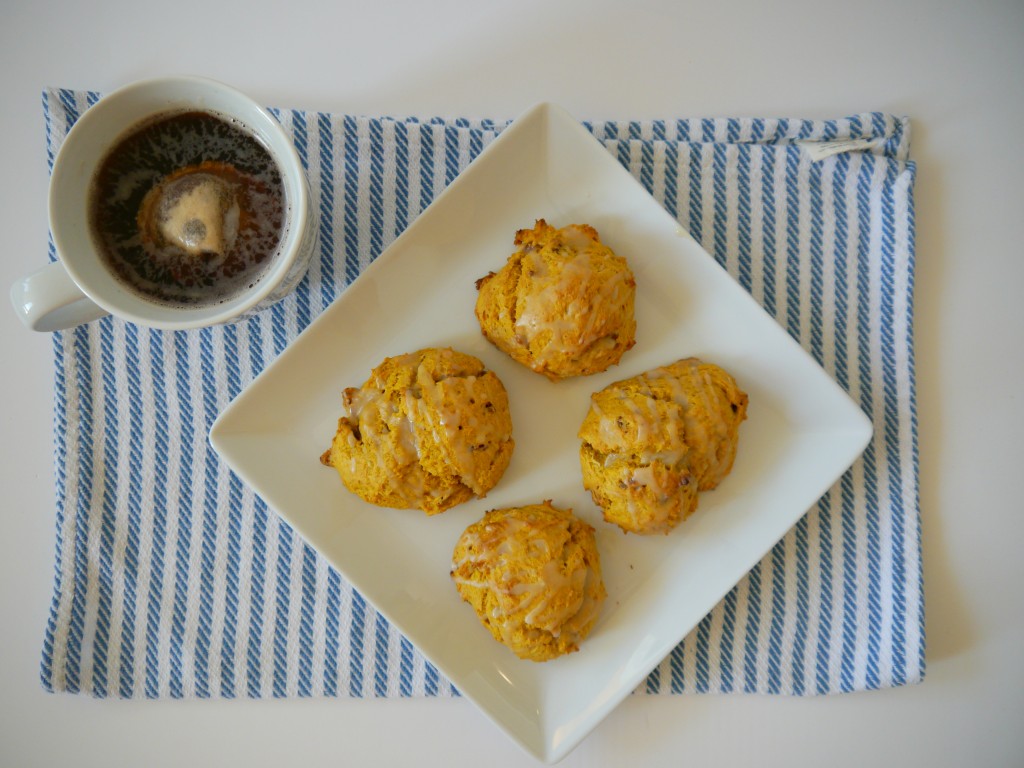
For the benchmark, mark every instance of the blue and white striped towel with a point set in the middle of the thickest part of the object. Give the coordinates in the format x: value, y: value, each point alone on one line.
x: 173, y: 579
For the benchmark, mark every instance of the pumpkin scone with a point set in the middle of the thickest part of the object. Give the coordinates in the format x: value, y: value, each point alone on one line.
x: 563, y: 303
x: 533, y: 576
x: 651, y: 442
x: 428, y: 430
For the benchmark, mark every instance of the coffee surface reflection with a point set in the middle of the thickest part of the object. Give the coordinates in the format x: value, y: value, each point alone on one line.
x: 188, y: 209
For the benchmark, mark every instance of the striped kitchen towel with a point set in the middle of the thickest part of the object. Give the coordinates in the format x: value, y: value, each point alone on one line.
x: 173, y: 579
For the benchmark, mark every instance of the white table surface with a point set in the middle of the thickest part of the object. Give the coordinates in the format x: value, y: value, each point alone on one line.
x: 954, y: 67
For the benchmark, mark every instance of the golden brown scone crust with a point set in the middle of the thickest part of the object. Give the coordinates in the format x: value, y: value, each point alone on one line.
x: 562, y: 304
x: 533, y: 576
x: 429, y: 429
x: 650, y: 443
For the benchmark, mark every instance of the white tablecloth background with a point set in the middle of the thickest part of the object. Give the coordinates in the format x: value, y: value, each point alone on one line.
x: 948, y: 68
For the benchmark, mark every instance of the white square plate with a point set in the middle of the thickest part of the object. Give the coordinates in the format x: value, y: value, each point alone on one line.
x: 802, y: 430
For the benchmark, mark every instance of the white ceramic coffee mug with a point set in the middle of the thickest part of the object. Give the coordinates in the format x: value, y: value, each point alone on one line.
x: 81, y: 287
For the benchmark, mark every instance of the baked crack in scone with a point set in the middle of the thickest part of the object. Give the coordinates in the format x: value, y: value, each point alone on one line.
x: 427, y: 430
x: 533, y: 576
x: 562, y: 304
x: 650, y: 443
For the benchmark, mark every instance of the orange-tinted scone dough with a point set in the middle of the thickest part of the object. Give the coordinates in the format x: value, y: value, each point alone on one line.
x: 650, y: 443
x: 533, y: 576
x: 427, y: 430
x: 562, y: 304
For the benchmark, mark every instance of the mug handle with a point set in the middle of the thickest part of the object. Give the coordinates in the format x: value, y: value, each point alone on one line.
x: 49, y: 300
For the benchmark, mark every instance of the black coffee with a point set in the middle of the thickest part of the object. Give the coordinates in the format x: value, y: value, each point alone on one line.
x: 189, y: 209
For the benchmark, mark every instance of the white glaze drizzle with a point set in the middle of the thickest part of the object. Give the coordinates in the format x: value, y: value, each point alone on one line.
x: 369, y: 409
x: 575, y: 327
x: 711, y: 430
x: 501, y: 549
